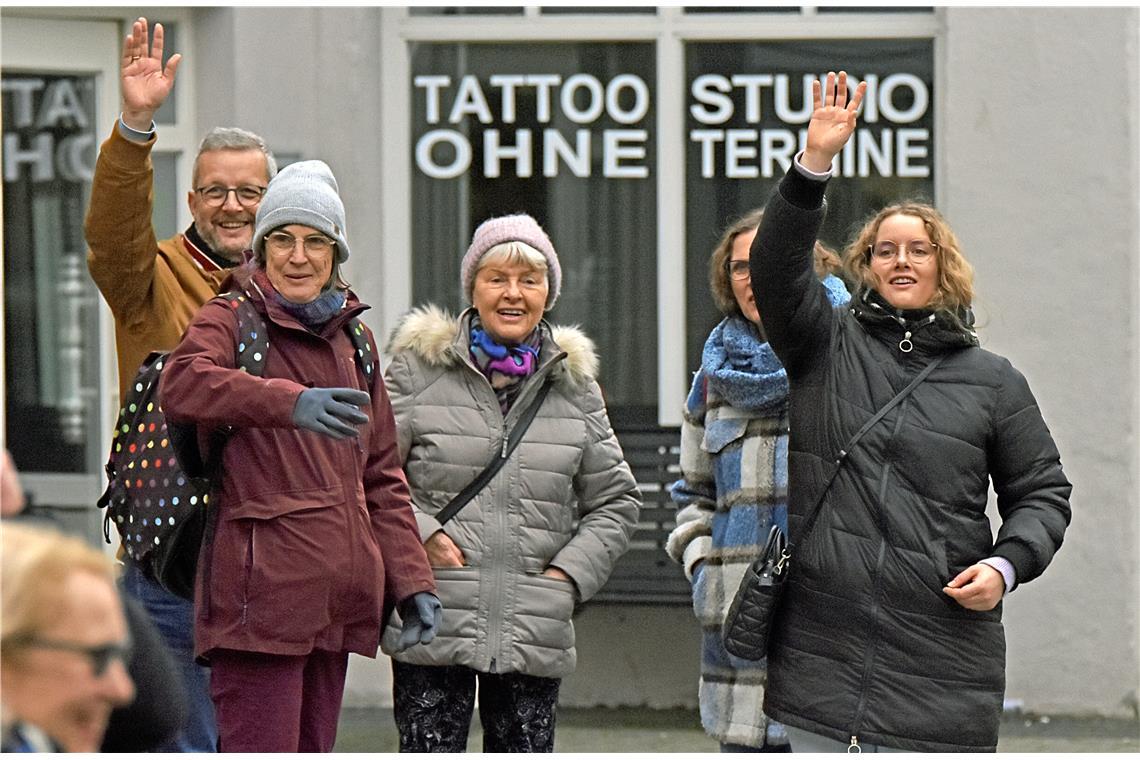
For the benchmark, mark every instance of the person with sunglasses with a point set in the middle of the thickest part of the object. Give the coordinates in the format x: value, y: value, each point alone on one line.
x: 64, y: 642
x: 315, y: 541
x: 889, y: 635
x: 154, y: 287
x: 733, y: 485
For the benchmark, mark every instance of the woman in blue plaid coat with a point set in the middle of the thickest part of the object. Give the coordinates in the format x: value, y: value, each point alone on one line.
x: 734, y: 467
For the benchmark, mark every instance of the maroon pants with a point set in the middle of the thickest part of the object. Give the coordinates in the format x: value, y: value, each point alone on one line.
x: 277, y: 703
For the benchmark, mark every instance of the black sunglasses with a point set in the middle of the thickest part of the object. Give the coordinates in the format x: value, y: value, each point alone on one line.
x: 100, y: 656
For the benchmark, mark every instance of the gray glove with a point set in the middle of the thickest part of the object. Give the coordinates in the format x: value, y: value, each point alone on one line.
x: 422, y: 614
x: 331, y: 411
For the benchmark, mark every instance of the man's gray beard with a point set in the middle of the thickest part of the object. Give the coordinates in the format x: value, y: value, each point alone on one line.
x: 210, y: 240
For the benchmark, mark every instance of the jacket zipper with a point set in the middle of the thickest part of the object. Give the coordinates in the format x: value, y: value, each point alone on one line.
x: 248, y: 573
x: 494, y: 614
x: 869, y: 656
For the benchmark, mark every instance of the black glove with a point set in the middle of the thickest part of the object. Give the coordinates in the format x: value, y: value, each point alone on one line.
x: 422, y: 614
x: 331, y: 411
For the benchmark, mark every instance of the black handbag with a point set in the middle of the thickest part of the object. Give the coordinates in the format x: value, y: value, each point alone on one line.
x: 753, y: 610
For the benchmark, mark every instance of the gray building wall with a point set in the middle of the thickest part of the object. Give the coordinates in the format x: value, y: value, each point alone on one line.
x: 1040, y: 168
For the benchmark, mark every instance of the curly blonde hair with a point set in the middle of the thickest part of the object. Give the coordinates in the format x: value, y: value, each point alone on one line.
x: 955, y: 274
x: 720, y: 282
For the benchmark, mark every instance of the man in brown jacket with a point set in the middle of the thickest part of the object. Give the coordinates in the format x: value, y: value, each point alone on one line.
x: 154, y: 287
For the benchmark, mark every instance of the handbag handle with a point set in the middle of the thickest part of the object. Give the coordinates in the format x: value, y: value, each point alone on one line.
x: 509, y: 443
x: 847, y: 449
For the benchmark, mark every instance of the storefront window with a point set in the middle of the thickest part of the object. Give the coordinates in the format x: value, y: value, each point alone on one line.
x: 747, y: 111
x: 563, y: 132
x: 50, y: 304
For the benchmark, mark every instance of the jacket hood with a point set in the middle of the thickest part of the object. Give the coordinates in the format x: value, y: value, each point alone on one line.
x: 433, y: 333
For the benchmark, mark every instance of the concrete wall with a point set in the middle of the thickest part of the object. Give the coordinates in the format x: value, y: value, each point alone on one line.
x: 1039, y: 164
x: 307, y: 80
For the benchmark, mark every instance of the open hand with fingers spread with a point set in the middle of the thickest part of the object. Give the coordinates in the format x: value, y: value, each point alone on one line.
x: 832, y: 120
x: 144, y: 81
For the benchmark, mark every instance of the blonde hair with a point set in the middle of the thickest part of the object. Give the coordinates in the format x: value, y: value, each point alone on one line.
x: 513, y: 253
x: 955, y: 275
x: 720, y: 283
x: 35, y: 564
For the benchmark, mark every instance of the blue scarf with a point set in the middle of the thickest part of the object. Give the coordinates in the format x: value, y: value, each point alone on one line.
x: 743, y: 369
x: 317, y: 312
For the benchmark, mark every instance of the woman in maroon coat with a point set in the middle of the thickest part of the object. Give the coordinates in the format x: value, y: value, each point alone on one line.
x: 314, y: 540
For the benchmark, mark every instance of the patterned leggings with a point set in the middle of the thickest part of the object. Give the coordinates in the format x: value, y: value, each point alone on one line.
x: 434, y: 704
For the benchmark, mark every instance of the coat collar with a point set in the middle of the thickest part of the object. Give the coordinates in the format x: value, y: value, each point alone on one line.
x: 441, y: 340
x: 931, y: 331
x: 244, y: 278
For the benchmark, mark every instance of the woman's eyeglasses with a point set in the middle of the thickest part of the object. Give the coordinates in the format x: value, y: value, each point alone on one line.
x: 917, y: 251
x: 739, y: 269
x: 100, y: 656
x: 282, y: 244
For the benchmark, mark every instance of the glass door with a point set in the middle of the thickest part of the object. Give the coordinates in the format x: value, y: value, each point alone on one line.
x: 57, y: 389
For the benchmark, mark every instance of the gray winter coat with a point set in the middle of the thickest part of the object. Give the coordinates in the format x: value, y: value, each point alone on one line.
x: 565, y: 498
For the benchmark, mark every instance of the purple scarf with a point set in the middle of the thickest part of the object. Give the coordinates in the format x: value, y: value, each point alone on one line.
x: 505, y: 367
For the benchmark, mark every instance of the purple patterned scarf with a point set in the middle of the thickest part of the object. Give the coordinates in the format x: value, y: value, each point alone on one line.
x: 505, y: 367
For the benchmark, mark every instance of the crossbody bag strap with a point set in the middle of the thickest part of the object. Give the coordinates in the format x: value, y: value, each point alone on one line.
x: 850, y: 446
x: 493, y: 467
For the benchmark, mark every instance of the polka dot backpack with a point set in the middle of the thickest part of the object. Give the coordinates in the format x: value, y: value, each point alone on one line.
x: 159, y: 487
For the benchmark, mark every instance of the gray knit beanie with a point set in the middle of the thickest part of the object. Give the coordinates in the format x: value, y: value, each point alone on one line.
x: 305, y: 193
x: 505, y: 229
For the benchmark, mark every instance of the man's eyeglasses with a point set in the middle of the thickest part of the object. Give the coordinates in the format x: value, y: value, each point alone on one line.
x: 100, y: 656
x: 215, y: 195
x: 282, y: 244
x: 739, y: 269
x: 917, y: 251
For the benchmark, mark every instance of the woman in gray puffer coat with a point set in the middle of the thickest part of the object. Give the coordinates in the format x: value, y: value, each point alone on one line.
x: 542, y: 535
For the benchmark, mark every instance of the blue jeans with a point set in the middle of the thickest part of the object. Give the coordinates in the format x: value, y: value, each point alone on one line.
x: 174, y: 618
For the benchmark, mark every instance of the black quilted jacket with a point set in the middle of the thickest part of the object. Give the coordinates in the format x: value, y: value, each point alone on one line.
x: 866, y: 644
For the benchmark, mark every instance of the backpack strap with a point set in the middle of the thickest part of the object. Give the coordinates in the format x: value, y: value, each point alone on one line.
x: 252, y: 340
x: 251, y: 345
x: 363, y: 351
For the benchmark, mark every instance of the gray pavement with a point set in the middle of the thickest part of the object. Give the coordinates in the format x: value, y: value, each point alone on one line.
x: 645, y: 730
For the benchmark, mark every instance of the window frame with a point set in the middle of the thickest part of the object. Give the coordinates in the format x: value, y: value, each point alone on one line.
x: 670, y: 29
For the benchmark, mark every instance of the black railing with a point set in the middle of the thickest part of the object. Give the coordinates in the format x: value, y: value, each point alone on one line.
x: 646, y: 574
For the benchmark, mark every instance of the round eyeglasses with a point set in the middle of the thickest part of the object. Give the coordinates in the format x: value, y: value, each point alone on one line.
x: 283, y: 244
x: 917, y: 251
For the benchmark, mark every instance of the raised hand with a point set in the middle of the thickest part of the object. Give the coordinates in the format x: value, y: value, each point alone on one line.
x: 832, y: 120
x: 144, y: 82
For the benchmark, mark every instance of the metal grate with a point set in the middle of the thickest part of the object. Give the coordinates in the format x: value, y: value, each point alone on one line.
x: 646, y: 574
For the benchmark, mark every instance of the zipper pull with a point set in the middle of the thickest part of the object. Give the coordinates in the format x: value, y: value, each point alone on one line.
x: 854, y: 747
x: 506, y: 439
x: 905, y: 345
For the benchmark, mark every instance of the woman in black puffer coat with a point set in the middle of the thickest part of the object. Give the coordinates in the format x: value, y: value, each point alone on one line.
x: 890, y: 632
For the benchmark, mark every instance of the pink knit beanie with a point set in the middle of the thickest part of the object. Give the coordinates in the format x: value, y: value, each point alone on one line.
x: 504, y: 229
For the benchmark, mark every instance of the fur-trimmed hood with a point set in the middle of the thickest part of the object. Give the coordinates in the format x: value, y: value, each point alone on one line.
x: 433, y: 334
